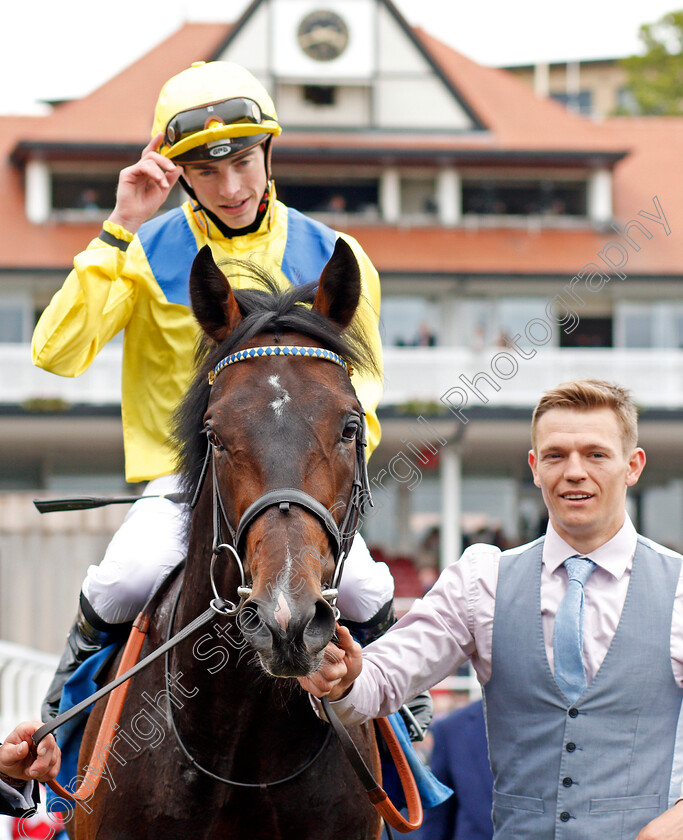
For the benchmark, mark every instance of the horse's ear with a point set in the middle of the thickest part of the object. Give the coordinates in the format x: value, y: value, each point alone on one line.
x: 339, y: 286
x: 213, y: 302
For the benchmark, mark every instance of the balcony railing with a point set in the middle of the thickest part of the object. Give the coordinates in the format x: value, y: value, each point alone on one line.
x: 502, y: 376
x: 495, y: 376
x: 22, y: 382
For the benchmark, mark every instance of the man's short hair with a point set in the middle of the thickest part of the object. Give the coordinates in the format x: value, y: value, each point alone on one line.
x: 587, y: 394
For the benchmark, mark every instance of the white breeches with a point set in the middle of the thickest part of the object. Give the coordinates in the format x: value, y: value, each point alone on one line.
x: 152, y: 541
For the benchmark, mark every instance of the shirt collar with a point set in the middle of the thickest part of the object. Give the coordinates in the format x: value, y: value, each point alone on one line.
x: 615, y: 556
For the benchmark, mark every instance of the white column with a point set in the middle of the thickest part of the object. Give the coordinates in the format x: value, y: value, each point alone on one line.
x: 403, y: 532
x: 38, y: 192
x: 451, y: 505
x: 449, y: 196
x: 390, y: 196
x: 600, y: 196
x: 542, y: 79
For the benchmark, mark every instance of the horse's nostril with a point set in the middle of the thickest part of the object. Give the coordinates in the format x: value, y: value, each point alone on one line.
x: 320, y: 627
x: 254, y: 628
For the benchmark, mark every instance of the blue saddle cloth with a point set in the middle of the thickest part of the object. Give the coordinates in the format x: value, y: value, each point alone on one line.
x: 432, y: 791
x: 81, y: 684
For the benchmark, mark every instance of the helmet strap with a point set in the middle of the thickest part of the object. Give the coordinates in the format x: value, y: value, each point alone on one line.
x: 225, y: 230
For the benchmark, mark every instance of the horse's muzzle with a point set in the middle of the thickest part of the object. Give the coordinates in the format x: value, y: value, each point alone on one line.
x: 289, y: 636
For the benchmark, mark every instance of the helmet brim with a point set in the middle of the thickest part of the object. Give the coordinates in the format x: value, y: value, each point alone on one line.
x: 220, y: 132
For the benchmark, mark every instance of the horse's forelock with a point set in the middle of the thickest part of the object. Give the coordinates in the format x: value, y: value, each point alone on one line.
x: 265, y: 309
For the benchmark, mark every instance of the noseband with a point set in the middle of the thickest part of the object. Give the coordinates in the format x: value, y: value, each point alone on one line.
x: 341, y: 536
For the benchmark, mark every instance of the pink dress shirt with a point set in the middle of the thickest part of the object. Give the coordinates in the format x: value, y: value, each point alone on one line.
x: 454, y: 622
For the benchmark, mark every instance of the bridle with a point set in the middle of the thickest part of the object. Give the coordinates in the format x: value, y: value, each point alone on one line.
x: 341, y: 536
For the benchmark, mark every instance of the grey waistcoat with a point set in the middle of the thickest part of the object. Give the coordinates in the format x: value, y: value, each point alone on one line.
x: 602, y: 768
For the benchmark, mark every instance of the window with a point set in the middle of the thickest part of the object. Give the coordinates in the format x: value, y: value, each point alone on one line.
x: 580, y: 102
x: 589, y: 332
x: 351, y: 196
x: 409, y: 321
x: 15, y: 326
x: 627, y: 102
x: 642, y: 325
x: 320, y: 94
x: 89, y: 193
x: 522, y: 198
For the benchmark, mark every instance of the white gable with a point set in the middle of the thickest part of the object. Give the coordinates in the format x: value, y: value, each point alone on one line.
x: 375, y: 75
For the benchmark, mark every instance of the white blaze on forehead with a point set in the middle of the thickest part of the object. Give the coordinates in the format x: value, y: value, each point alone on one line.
x: 282, y: 612
x: 282, y: 398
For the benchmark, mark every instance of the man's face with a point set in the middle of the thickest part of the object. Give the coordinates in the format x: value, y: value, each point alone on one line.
x: 583, y: 472
x: 231, y: 188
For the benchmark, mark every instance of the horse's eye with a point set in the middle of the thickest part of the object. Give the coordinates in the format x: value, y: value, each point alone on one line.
x: 351, y: 430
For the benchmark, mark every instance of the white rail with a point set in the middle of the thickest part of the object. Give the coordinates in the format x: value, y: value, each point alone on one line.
x: 24, y: 677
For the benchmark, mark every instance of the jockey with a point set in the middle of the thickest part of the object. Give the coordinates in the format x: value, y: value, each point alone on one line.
x: 213, y: 128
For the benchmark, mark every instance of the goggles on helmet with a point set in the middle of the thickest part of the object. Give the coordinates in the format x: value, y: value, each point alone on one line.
x: 231, y: 117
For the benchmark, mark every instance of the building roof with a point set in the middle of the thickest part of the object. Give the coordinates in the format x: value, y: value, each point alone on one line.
x: 519, y: 127
x: 120, y: 111
x: 651, y: 168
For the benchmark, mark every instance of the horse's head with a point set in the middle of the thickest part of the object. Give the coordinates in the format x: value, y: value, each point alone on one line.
x: 286, y: 432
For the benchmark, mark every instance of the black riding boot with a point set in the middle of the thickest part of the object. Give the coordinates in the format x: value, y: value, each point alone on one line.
x: 88, y: 635
x: 416, y: 713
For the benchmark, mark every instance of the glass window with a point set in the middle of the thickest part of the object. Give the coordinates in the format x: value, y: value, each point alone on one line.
x: 516, y: 316
x: 580, y: 102
x: 11, y: 324
x: 15, y: 326
x: 351, y: 196
x: 320, y: 94
x: 418, y: 196
x: 409, y: 321
x: 520, y: 198
x: 91, y: 192
x: 635, y: 326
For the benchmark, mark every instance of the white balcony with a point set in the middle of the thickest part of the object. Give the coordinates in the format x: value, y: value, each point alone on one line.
x: 21, y: 381
x: 425, y: 374
x: 412, y: 374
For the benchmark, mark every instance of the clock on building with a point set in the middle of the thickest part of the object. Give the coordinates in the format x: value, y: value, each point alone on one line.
x: 323, y: 35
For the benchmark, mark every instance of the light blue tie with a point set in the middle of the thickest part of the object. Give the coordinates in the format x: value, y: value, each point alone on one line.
x: 570, y: 674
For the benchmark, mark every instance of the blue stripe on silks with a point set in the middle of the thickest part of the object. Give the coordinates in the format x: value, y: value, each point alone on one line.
x: 309, y: 246
x: 170, y: 248
x: 81, y: 684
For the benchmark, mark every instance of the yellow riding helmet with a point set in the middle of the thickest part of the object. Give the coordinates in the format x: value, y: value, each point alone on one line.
x: 213, y: 110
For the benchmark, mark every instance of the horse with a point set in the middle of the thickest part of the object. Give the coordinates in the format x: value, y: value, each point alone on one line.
x: 220, y: 740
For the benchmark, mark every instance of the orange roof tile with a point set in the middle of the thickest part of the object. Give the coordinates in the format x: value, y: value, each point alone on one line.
x: 516, y: 117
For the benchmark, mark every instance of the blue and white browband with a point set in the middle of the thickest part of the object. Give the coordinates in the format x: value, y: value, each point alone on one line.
x: 263, y: 352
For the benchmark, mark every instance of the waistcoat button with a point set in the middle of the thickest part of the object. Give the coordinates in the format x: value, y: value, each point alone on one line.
x: 571, y: 746
x: 565, y: 816
x: 573, y: 712
x: 567, y: 782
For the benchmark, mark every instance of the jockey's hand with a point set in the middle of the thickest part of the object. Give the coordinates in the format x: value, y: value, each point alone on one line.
x: 144, y: 187
x: 21, y: 759
x: 342, y: 663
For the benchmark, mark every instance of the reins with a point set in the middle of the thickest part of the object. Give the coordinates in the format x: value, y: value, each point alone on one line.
x: 376, y: 794
x: 193, y: 761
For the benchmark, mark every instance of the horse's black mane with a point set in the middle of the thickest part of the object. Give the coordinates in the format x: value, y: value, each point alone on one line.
x: 265, y: 309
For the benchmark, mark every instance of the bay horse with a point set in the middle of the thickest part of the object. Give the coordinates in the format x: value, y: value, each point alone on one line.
x: 220, y: 741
